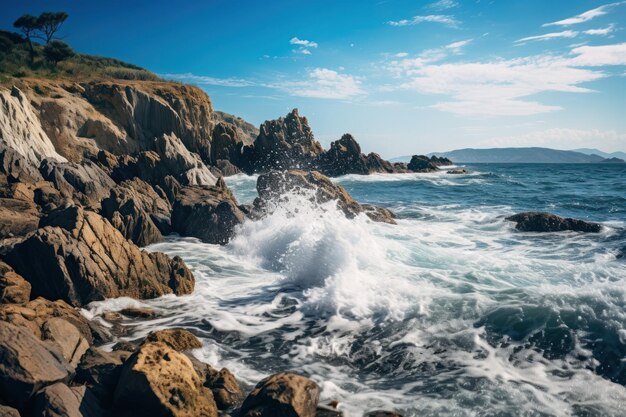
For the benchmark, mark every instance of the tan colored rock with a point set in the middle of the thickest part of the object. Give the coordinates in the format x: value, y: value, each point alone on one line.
x: 27, y: 364
x: 138, y: 312
x: 17, y: 217
x: 67, y: 337
x: 159, y: 381
x: 13, y: 288
x: 225, y: 388
x: 80, y: 257
x: 282, y: 394
x: 59, y: 400
x: 6, y: 411
x: 177, y: 339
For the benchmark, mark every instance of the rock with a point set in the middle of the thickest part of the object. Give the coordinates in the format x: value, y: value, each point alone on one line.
x: 86, y: 182
x: 112, y: 316
x: 13, y: 288
x: 225, y: 388
x: 441, y: 161
x: 138, y: 211
x: 546, y: 222
x: 6, y: 411
x: 328, y: 410
x: 139, y: 313
x: 345, y: 157
x: 457, y: 171
x: 227, y: 144
x: 100, y: 371
x: 274, y: 185
x: 17, y: 217
x: 421, y: 163
x: 380, y: 413
x: 282, y: 394
x: 59, y: 400
x: 177, y: 339
x: 16, y: 167
x: 159, y: 381
x: 77, y: 256
x: 67, y: 338
x: 26, y: 365
x: 208, y: 213
x: 285, y: 143
x: 227, y: 168
x: 247, y: 132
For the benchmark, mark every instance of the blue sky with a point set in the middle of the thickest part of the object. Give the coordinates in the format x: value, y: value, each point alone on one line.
x: 401, y: 76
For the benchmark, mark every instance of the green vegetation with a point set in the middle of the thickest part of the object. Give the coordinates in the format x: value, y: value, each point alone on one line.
x: 22, y: 56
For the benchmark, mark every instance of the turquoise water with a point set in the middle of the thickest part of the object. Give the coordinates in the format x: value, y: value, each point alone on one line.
x: 452, y: 312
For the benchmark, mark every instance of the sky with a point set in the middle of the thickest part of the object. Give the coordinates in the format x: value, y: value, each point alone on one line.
x: 402, y: 76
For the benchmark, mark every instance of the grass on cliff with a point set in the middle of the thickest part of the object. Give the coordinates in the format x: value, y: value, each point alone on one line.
x: 15, y: 62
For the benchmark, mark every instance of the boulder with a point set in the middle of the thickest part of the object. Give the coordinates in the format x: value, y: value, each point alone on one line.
x: 178, y: 339
x: 16, y: 167
x: 226, y: 144
x: 381, y: 413
x: 6, y: 411
x: 17, y: 217
x: 138, y: 313
x: 79, y: 257
x: 139, y: 212
x: 546, y: 222
x: 100, y: 371
x: 457, y: 171
x: 66, y: 337
x: 59, y: 400
x: 159, y: 381
x: 282, y: 394
x: 274, y: 185
x: 27, y: 365
x: 345, y: 157
x: 13, y: 288
x: 422, y: 163
x: 225, y: 388
x: 208, y: 213
x: 227, y: 168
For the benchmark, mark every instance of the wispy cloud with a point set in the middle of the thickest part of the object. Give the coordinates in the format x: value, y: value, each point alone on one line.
x: 207, y: 80
x: 434, y: 18
x: 457, y: 47
x: 566, y: 34
x: 601, y: 31
x: 599, y: 56
x: 443, y: 5
x: 563, y: 138
x: 325, y: 83
x: 401, y: 55
x: 304, y: 45
x: 586, y: 16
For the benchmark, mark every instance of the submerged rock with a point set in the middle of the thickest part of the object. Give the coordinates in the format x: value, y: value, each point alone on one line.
x: 282, y: 394
x: 546, y: 222
x: 457, y: 171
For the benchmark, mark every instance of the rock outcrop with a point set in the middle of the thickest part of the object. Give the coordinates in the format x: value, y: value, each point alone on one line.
x: 546, y: 222
x: 282, y: 394
x: 13, y: 288
x: 345, y: 157
x: 79, y: 257
x: 421, y: 163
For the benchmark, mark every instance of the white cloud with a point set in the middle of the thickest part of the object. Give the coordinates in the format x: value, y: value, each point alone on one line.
x: 598, y: 56
x: 562, y: 138
x: 566, y: 34
x: 402, y: 55
x: 305, y: 46
x: 601, y: 31
x: 456, y: 47
x: 586, y: 16
x: 434, y: 18
x: 325, y: 83
x: 443, y: 5
x: 206, y: 80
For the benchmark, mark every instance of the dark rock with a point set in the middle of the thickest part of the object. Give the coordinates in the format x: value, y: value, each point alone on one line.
x: 227, y: 168
x: 17, y: 168
x: 457, y: 171
x: 441, y: 161
x: 13, y: 288
x: 139, y: 313
x: 225, y: 388
x: 227, y: 144
x: 27, y: 365
x: 100, y: 371
x: 17, y: 217
x: 77, y: 256
x: 282, y: 394
x: 247, y: 132
x: 159, y: 381
x: 328, y: 411
x: 546, y: 222
x: 177, y: 339
x: 208, y: 213
x: 59, y: 400
x: 421, y: 163
x: 138, y: 211
x: 380, y: 413
x: 6, y: 411
x: 345, y: 157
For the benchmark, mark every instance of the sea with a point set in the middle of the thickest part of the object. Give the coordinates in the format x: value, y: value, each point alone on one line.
x: 450, y: 312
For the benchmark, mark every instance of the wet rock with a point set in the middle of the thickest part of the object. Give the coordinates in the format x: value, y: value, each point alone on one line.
x: 26, y: 365
x: 138, y: 211
x: 345, y: 157
x: 6, y: 411
x: 17, y: 217
x: 112, y: 316
x: 225, y: 388
x: 139, y: 312
x: 457, y: 171
x: 208, y: 213
x: 227, y: 168
x: 329, y: 410
x: 274, y: 186
x: 421, y: 163
x: 100, y: 371
x: 177, y: 339
x: 546, y: 222
x: 282, y: 394
x: 77, y: 256
x: 67, y: 338
x: 227, y: 144
x: 381, y: 413
x: 159, y: 381
x: 13, y: 288
x: 59, y: 400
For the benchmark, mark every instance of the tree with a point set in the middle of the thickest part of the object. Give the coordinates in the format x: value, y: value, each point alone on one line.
x: 49, y: 23
x: 29, y: 25
x: 57, y: 51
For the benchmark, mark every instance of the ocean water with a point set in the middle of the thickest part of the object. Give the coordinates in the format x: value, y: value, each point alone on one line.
x: 451, y: 312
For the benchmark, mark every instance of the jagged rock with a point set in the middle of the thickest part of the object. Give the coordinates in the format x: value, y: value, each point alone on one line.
x: 86, y: 182
x: 227, y: 145
x: 400, y: 167
x: 546, y: 222
x: 138, y: 211
x: 441, y: 161
x: 77, y: 256
x: 421, y: 163
x: 274, y: 185
x: 100, y: 371
x: 225, y: 388
x: 345, y: 157
x: 247, y: 132
x: 227, y: 168
x: 13, y: 288
x: 59, y: 400
x: 208, y: 213
x: 159, y: 381
x: 17, y: 217
x: 66, y: 336
x: 457, y: 171
x: 285, y: 143
x: 6, y: 411
x: 177, y: 339
x: 16, y: 167
x: 26, y: 365
x: 282, y: 394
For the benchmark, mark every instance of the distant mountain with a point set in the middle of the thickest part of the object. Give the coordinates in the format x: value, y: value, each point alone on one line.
x: 520, y: 155
x: 590, y: 151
